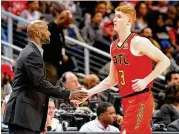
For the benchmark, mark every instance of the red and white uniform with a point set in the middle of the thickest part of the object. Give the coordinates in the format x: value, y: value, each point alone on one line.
x: 129, y: 66
x: 137, y: 109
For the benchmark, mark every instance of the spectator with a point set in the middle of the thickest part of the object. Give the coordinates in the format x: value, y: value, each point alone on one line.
x: 74, y: 7
x: 30, y: 14
x: 174, y: 126
x: 54, y: 52
x: 73, y: 32
x: 15, y: 7
x: 4, y: 103
x: 172, y: 77
x: 78, y: 13
x: 162, y: 34
x: 109, y: 15
x: 57, y: 7
x: 141, y: 21
x: 7, y: 76
x: 147, y: 32
x: 45, y: 7
x: 161, y: 6
x: 121, y: 3
x: 103, y: 42
x: 171, y: 16
x: 171, y: 23
x: 52, y: 123
x: 149, y: 5
x: 174, y: 63
x: 174, y: 34
x: 89, y: 31
x: 170, y: 110
x: 106, y: 116
x: 106, y: 37
x: 100, y: 7
x: 91, y: 80
x: 68, y: 4
x: 70, y: 81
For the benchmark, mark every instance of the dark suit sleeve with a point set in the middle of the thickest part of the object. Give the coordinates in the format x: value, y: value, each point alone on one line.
x: 34, y: 66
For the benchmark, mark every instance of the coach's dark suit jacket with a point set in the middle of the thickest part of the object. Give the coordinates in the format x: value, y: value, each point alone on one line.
x: 28, y: 103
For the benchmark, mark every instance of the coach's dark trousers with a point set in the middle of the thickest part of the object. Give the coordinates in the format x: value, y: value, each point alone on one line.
x: 15, y: 129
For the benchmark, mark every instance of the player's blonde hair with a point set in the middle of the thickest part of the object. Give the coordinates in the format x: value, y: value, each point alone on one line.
x: 129, y: 10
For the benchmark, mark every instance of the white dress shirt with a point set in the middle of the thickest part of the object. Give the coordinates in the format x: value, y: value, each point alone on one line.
x: 39, y: 48
x: 96, y: 126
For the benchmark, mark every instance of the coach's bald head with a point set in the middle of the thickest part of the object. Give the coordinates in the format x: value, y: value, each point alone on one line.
x: 38, y: 32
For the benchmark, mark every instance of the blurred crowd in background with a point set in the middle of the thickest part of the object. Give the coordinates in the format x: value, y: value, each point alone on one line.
x: 91, y: 22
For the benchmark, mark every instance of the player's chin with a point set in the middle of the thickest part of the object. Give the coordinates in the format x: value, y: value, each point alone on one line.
x: 115, y: 29
x: 137, y: 90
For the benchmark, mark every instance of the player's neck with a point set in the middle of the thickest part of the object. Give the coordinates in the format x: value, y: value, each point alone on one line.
x: 123, y: 34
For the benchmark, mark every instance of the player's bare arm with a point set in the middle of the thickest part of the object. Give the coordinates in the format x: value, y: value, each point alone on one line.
x: 107, y: 83
x: 145, y: 47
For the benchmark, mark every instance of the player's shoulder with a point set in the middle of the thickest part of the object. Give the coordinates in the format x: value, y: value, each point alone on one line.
x: 139, y: 42
x: 114, y: 42
x: 139, y: 39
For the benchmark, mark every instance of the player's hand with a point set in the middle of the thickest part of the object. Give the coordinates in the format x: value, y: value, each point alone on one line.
x: 78, y: 95
x: 139, y: 85
x: 90, y: 93
x: 84, y: 99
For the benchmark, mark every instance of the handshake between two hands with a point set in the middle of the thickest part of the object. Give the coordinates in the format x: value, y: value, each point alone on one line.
x: 79, y: 96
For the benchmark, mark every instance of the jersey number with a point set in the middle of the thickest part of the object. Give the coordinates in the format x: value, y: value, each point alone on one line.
x: 122, y: 77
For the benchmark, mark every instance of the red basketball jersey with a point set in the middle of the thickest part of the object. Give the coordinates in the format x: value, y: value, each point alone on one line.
x: 129, y: 67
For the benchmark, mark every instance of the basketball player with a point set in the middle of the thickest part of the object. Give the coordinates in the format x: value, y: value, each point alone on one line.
x: 131, y: 69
